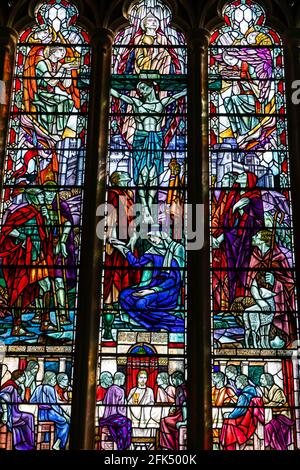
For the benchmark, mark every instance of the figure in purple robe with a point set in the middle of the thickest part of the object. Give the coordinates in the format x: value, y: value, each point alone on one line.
x: 242, y: 217
x: 46, y: 398
x: 114, y: 417
x: 278, y: 431
x: 18, y: 422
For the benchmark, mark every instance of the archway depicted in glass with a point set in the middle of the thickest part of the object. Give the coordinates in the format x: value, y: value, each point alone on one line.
x: 141, y: 396
x: 255, y: 384
x: 41, y: 212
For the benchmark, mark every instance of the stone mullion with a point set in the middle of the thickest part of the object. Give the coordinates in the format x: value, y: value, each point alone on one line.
x: 198, y: 335
x: 87, y: 339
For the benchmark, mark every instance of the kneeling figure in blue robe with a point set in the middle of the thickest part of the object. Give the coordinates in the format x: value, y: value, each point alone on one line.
x: 154, y: 302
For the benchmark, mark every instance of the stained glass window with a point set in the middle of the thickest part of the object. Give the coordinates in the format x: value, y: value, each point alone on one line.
x: 255, y: 384
x: 41, y: 214
x: 141, y: 392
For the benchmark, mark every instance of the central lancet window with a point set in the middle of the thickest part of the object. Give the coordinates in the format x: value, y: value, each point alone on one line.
x: 141, y: 396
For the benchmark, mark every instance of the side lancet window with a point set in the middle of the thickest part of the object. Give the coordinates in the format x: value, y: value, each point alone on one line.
x: 141, y: 393
x: 41, y: 228
x: 255, y: 384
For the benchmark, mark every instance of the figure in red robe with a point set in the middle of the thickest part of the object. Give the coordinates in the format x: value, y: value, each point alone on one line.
x: 169, y: 426
x: 105, y: 381
x: 240, y: 425
x: 241, y: 217
x: 219, y: 207
x: 26, y: 253
x: 118, y: 279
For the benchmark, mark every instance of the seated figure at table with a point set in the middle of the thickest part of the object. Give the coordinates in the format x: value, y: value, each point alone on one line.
x: 114, y: 416
x: 170, y: 425
x: 139, y: 397
x: 19, y: 423
x: 45, y: 396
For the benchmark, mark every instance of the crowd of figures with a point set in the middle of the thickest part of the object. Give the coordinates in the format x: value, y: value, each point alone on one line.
x: 44, y: 172
x: 26, y: 402
x: 253, y: 283
x: 41, y: 211
x: 161, y: 408
x: 146, y: 166
x: 151, y: 301
x: 144, y: 271
x: 253, y: 276
x: 253, y: 288
x: 241, y: 408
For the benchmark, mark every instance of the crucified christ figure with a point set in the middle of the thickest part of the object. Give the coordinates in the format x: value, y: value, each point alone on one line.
x: 147, y: 145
